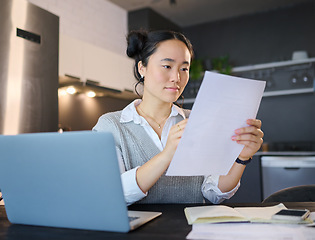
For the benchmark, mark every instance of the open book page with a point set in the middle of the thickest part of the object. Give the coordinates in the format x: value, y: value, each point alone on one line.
x: 260, y: 213
x: 215, y: 213
x: 220, y: 213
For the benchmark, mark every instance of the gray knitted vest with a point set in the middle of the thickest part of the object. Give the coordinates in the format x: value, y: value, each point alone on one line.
x: 137, y: 148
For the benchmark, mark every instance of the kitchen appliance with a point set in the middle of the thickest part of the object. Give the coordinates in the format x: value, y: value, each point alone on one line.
x: 29, y: 43
x: 286, y: 164
x: 279, y: 172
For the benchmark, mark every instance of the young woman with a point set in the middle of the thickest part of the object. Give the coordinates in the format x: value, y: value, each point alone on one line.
x: 148, y: 130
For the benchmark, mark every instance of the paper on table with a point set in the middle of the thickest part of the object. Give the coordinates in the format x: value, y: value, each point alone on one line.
x: 222, y: 105
x: 247, y: 231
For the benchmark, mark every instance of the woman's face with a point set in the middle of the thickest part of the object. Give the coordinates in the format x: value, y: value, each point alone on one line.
x: 167, y: 71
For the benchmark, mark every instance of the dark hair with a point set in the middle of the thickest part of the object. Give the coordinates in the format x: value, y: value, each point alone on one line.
x: 142, y: 44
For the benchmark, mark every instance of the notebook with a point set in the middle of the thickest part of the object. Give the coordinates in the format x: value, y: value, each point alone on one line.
x: 67, y: 180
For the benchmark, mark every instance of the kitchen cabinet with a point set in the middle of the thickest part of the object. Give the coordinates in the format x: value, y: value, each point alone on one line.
x: 282, y: 78
x: 107, y: 68
x: 70, y: 56
x: 85, y: 61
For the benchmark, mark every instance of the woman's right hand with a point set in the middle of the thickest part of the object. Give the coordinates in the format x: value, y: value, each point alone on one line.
x: 174, y: 137
x: 152, y: 170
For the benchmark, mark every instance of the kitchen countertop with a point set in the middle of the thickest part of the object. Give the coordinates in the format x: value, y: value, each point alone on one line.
x: 288, y: 153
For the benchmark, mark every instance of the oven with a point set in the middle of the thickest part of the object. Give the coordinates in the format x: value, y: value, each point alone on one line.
x: 283, y: 171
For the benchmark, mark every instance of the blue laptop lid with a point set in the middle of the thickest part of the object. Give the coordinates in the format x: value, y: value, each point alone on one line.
x: 67, y: 180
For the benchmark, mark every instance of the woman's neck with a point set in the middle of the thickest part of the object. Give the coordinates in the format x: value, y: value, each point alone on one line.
x: 156, y: 110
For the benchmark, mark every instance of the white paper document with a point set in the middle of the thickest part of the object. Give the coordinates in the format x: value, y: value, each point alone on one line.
x: 223, y: 104
x: 250, y: 231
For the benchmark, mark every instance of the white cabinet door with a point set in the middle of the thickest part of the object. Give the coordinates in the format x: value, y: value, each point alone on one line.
x: 108, y: 68
x: 70, y: 56
x: 88, y: 62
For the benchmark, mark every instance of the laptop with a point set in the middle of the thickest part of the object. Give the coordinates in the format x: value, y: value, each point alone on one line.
x: 66, y: 180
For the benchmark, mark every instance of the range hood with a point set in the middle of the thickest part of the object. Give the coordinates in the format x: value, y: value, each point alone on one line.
x: 88, y: 86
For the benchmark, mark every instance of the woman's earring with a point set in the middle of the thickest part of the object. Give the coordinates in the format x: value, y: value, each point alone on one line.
x: 141, y: 78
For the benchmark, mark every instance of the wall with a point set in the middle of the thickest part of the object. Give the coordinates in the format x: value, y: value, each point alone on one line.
x: 259, y: 38
x: 288, y: 118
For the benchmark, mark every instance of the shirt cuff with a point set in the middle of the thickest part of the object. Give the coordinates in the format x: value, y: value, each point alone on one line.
x: 131, y: 189
x: 211, y: 191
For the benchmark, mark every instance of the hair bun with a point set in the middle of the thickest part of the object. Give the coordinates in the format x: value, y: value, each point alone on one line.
x: 135, y: 41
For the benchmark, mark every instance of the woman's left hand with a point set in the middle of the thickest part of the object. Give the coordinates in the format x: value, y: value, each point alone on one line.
x: 251, y: 137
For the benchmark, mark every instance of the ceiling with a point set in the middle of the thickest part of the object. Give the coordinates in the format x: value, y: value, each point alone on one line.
x: 186, y: 13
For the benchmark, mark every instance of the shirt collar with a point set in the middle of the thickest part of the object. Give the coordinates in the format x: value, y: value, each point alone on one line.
x: 129, y: 113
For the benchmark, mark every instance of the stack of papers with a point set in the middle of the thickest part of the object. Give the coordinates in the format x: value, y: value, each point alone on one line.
x: 250, y: 231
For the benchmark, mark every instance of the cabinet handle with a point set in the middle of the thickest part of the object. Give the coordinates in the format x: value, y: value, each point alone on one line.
x: 291, y: 168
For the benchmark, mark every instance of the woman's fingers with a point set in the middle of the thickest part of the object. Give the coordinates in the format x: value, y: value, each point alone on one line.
x: 251, y: 137
x: 179, y: 127
x: 246, y: 137
x: 253, y: 143
x: 182, y: 124
x: 175, y: 135
x: 254, y: 122
x: 250, y: 130
x: 249, y: 134
x: 179, y: 130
